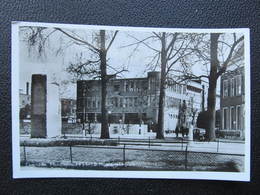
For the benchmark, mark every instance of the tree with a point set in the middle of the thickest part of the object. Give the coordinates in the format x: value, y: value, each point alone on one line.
x: 217, y: 52
x: 169, y: 50
x: 215, y: 49
x: 202, y: 120
x: 25, y: 111
x: 216, y: 70
x: 95, y: 66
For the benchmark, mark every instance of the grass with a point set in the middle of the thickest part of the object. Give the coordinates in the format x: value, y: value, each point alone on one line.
x: 66, y: 142
x: 108, y: 159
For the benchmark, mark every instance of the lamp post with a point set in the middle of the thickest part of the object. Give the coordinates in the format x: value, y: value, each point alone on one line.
x: 120, y: 124
x: 123, y: 117
x: 84, y: 111
x: 84, y: 117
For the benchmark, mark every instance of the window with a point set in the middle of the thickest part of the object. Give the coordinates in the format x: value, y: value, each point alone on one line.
x: 116, y: 102
x: 179, y: 89
x: 174, y: 87
x: 121, y: 102
x: 116, y: 87
x: 225, y: 88
x: 135, y: 101
x: 238, y: 117
x: 225, y: 118
x: 132, y: 86
x: 232, y: 87
x: 184, y: 89
x: 88, y: 104
x: 126, y: 102
x: 130, y: 102
x: 238, y: 85
x: 233, y: 118
x: 84, y: 92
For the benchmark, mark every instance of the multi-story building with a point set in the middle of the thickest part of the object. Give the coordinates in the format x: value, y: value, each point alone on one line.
x: 135, y: 100
x: 68, y: 110
x: 24, y: 97
x: 232, y: 101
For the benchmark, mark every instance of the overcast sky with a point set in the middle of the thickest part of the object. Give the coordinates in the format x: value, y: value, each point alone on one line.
x: 56, y: 63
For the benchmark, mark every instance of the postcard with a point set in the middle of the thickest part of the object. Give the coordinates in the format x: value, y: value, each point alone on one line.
x: 93, y: 101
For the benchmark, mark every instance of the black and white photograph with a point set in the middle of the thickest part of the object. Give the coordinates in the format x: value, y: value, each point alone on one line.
x: 130, y: 102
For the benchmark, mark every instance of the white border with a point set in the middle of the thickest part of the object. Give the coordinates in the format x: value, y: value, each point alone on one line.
x: 56, y: 173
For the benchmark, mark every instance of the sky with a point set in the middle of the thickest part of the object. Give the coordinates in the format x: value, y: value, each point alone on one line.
x: 123, y: 53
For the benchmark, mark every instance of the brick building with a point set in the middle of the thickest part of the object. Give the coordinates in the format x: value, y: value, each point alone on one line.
x: 135, y: 100
x: 232, y: 101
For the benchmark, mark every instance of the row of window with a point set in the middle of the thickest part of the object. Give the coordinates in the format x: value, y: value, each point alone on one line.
x: 118, y: 102
x: 178, y: 88
x: 124, y: 102
x: 173, y: 102
x: 232, y: 86
x: 132, y: 86
x: 127, y: 101
x: 173, y: 116
x: 135, y: 86
x: 154, y: 84
x: 232, y: 118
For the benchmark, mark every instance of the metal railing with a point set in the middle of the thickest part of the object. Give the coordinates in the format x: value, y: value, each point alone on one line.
x: 182, y: 155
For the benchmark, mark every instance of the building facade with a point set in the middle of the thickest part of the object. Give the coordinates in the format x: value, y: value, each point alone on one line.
x: 232, y: 101
x: 135, y: 100
x: 68, y: 110
x: 24, y: 97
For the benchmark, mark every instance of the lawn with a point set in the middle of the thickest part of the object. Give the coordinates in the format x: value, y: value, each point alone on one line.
x: 108, y: 158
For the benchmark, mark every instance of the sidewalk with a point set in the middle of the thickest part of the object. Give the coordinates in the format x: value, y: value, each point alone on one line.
x: 142, y: 142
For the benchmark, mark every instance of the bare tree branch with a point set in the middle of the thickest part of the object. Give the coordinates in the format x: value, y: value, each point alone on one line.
x: 112, y: 40
x: 143, y: 42
x: 116, y: 73
x: 174, y: 38
x: 77, y: 39
x: 157, y: 35
x: 226, y: 62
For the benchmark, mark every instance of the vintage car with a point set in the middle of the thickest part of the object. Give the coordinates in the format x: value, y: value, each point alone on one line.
x: 199, y: 134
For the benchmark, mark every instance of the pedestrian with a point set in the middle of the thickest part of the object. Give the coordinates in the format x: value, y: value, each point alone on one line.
x: 177, y: 131
x: 182, y: 131
x: 186, y: 131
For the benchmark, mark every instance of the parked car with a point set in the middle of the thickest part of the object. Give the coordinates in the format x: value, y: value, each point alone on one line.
x: 199, y: 134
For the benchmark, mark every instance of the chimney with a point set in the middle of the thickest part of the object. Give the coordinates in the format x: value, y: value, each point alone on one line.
x: 27, y: 88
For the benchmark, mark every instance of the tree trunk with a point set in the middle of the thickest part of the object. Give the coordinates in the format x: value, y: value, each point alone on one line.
x: 160, y: 127
x: 214, y: 63
x: 203, y: 98
x: 103, y: 68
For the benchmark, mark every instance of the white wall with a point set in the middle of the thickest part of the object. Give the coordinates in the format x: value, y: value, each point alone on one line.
x: 118, y: 129
x: 53, y: 110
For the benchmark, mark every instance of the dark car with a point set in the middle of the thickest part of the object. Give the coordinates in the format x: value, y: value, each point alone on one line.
x: 199, y: 134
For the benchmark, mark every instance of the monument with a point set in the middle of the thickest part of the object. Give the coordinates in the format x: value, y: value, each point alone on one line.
x: 46, y: 109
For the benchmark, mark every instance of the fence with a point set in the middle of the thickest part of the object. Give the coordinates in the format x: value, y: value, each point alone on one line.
x: 134, y: 156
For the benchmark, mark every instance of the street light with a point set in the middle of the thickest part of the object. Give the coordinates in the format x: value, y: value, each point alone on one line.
x: 84, y: 119
x: 123, y: 117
